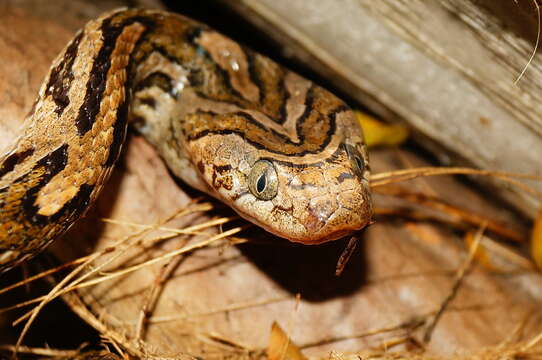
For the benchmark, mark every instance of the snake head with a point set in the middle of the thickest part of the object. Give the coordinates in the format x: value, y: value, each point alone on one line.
x: 308, y: 203
x: 313, y: 203
x: 300, y: 173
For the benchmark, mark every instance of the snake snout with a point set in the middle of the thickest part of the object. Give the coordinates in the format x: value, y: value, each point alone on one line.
x: 319, y: 211
x: 332, y: 217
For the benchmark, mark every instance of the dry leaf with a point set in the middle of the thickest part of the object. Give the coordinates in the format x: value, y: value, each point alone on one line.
x: 280, y: 347
x: 378, y: 133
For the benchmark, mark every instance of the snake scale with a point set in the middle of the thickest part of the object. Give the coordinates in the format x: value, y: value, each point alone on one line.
x: 283, y: 152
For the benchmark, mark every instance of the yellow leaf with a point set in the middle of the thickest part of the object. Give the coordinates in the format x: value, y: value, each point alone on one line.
x: 378, y: 133
x: 536, y: 241
x: 280, y: 347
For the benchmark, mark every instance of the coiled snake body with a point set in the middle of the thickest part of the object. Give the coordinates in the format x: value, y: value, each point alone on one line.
x: 281, y: 151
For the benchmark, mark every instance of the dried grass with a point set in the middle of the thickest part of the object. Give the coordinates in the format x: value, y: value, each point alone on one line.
x: 87, y: 271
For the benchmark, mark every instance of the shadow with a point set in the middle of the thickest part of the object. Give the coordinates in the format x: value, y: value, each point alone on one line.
x: 70, y: 331
x: 224, y: 19
x: 307, y: 270
x: 519, y: 17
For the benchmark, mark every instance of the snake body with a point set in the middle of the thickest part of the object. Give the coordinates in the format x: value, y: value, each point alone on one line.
x: 281, y: 151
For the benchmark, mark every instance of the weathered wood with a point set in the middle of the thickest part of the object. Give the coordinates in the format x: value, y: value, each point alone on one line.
x: 448, y: 68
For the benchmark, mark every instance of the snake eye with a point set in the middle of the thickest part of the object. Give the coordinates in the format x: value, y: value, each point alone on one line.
x: 356, y: 159
x: 263, y: 181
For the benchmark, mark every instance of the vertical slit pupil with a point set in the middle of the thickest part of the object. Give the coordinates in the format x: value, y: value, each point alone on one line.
x: 262, y: 183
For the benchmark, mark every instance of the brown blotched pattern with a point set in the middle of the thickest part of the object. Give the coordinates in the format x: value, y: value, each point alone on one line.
x: 211, y: 107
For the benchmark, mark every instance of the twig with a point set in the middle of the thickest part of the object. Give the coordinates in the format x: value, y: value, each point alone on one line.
x: 154, y: 294
x: 55, y: 292
x: 386, y: 178
x: 457, y: 284
x: 444, y: 207
x: 125, y: 271
x: 346, y: 255
x: 230, y: 308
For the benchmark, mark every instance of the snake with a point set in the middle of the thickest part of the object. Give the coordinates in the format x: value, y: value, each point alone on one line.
x: 284, y: 153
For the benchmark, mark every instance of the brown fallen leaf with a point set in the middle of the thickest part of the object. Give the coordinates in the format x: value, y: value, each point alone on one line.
x: 281, y: 347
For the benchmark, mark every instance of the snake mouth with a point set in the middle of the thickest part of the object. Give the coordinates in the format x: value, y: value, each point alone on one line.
x: 330, y: 237
x: 327, y: 237
x: 317, y: 239
x: 324, y: 224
